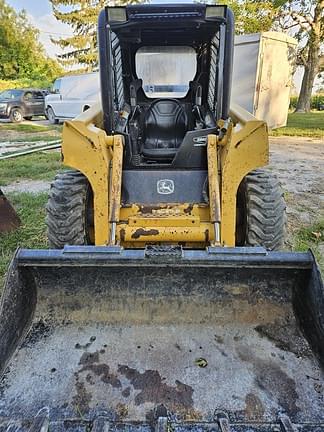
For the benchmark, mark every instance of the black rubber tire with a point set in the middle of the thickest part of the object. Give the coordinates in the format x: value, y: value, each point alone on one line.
x: 68, y: 221
x: 264, y: 210
x: 16, y: 115
x: 28, y: 118
x: 50, y: 115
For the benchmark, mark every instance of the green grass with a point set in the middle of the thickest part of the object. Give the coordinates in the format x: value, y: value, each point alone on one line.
x: 32, y: 232
x: 311, y: 237
x: 37, y: 166
x: 303, y: 124
x: 29, y: 127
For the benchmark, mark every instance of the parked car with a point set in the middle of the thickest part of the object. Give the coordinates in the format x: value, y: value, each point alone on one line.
x: 71, y: 95
x: 19, y: 104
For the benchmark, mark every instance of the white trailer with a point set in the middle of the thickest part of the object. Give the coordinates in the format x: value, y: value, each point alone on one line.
x: 71, y: 95
x: 262, y: 75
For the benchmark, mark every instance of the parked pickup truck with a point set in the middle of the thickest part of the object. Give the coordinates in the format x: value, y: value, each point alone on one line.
x: 19, y: 104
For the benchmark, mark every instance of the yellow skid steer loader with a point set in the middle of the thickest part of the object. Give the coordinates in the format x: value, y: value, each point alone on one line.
x: 164, y: 302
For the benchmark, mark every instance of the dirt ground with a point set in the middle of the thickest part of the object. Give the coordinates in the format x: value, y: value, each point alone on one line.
x: 31, y: 186
x: 299, y: 165
x: 25, y: 139
x: 10, y: 146
x: 10, y: 136
x: 35, y: 121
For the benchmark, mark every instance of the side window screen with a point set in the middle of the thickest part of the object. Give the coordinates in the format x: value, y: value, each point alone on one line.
x: 166, y: 71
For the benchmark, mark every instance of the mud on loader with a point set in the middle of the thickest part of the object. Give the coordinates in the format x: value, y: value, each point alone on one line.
x: 164, y: 302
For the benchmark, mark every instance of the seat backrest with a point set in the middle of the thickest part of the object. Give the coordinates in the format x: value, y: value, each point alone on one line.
x: 165, y: 124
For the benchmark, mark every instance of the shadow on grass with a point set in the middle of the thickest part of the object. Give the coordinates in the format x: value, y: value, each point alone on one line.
x: 32, y: 232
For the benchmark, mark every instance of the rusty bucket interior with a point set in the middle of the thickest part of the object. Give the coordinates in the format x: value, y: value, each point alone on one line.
x: 133, y: 337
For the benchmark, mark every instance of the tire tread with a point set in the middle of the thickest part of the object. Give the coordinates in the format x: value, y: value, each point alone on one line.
x: 66, y: 210
x: 266, y: 215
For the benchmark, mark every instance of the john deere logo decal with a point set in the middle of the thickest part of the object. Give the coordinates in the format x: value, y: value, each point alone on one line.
x: 200, y: 141
x: 165, y: 187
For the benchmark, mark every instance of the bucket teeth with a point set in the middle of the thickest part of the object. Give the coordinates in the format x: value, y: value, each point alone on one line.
x: 41, y: 421
x: 101, y: 424
x: 161, y: 424
x: 223, y: 422
x: 12, y: 427
x: 285, y: 424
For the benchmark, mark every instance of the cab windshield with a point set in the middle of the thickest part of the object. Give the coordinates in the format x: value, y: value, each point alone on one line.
x: 166, y: 70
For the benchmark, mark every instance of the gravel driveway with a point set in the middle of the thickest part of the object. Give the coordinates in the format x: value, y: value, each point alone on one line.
x: 299, y: 165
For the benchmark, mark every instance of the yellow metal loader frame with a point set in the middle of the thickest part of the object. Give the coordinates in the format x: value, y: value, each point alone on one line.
x: 240, y: 148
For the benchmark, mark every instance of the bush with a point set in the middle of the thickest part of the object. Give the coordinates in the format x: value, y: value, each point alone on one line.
x: 24, y: 83
x: 316, y: 101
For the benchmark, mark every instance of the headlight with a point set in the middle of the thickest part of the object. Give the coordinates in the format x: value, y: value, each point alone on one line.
x: 215, y: 11
x: 117, y: 14
x: 3, y: 106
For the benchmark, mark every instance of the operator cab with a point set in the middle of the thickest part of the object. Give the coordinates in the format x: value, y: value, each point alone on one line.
x: 165, y: 80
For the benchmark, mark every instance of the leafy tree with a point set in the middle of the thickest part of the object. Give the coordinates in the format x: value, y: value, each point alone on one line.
x: 82, y: 15
x: 302, y: 18
x: 252, y: 16
x: 21, y: 54
x: 306, y: 19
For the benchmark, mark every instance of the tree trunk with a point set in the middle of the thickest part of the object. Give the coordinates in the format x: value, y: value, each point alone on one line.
x: 311, y: 70
x: 313, y: 60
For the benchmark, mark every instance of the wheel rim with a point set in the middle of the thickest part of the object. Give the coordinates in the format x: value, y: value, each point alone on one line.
x: 17, y: 116
x: 50, y: 115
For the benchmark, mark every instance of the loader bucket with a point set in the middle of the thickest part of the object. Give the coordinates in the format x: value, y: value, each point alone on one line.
x: 98, y: 338
x: 9, y: 220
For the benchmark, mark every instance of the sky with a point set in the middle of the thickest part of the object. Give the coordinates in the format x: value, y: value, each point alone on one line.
x: 40, y: 15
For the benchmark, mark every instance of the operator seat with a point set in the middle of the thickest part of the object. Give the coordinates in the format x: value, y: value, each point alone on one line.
x: 165, y: 125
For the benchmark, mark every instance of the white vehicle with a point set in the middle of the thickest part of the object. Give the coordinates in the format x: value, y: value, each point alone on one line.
x: 71, y: 95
